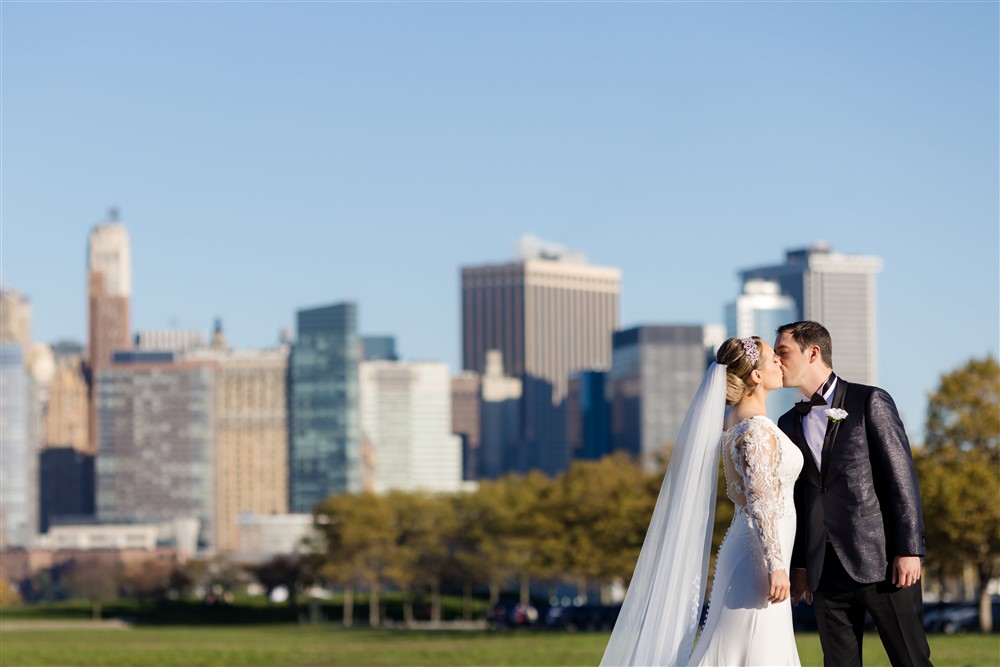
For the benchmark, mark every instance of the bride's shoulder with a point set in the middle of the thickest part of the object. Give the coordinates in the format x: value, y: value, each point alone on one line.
x: 750, y: 423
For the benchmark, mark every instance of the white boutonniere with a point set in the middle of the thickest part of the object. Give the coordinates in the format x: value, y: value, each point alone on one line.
x: 836, y: 414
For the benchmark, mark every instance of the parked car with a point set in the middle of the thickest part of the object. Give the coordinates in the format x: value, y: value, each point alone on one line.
x: 954, y: 617
x: 512, y: 614
x: 585, y: 617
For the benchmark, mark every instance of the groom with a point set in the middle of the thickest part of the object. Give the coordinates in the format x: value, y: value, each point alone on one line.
x: 860, y: 533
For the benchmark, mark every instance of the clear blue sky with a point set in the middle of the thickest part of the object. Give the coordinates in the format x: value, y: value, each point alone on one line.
x: 273, y: 156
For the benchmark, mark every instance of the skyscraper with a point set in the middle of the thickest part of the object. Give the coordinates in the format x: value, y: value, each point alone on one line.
x: 67, y: 485
x: 325, y: 438
x: 837, y: 291
x: 405, y: 410
x: 15, y: 318
x: 156, y: 459
x: 655, y: 373
x: 67, y: 415
x: 465, y: 419
x: 759, y: 311
x: 500, y: 436
x: 588, y: 416
x: 251, y: 434
x: 109, y: 290
x: 18, y: 450
x: 109, y: 293
x: 549, y: 313
x: 379, y: 348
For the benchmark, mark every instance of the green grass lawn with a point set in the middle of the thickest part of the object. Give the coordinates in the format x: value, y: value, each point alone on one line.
x: 290, y: 646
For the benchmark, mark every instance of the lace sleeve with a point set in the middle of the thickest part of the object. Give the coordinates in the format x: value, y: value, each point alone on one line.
x: 756, y: 457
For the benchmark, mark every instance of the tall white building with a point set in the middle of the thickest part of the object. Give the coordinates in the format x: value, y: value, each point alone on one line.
x: 759, y: 311
x: 838, y: 291
x: 18, y: 451
x: 405, y: 414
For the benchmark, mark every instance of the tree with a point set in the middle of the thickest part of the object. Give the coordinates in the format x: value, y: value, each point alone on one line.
x: 964, y: 411
x: 95, y: 577
x: 147, y: 579
x: 958, y: 475
x: 359, y: 531
x: 425, y: 527
x: 603, y: 508
x: 281, y: 570
x: 9, y: 596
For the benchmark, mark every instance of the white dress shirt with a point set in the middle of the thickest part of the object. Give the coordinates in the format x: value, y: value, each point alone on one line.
x: 814, y: 425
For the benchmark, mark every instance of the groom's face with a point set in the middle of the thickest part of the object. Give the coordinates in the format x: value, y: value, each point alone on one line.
x: 793, y: 360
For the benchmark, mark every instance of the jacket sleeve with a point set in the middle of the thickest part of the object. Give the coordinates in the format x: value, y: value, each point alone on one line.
x: 800, y: 547
x: 896, y: 483
x: 756, y: 459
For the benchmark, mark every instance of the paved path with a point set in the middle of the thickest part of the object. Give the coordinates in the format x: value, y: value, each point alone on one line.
x: 106, y: 624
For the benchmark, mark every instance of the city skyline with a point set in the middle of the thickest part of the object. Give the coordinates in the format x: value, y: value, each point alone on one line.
x: 295, y: 156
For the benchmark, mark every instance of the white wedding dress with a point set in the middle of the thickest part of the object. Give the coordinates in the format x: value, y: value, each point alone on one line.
x: 742, y: 627
x: 658, y: 622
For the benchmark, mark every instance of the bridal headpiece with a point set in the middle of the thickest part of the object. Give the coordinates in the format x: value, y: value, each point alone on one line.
x: 750, y: 347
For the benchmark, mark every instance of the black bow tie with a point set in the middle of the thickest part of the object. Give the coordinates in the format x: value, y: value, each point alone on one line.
x: 805, y: 407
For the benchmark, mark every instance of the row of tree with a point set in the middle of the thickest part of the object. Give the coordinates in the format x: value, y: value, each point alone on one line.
x: 583, y: 527
x: 586, y: 526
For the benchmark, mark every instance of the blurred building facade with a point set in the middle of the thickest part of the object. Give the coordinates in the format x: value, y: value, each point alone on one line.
x: 251, y: 434
x: 588, y: 416
x: 500, y: 439
x: 759, y: 311
x: 379, y: 348
x: 156, y: 454
x: 15, y: 318
x: 655, y: 373
x: 109, y: 294
x: 325, y: 437
x: 18, y: 450
x: 405, y: 410
x: 549, y: 313
x: 67, y: 485
x: 838, y: 291
x: 466, y: 405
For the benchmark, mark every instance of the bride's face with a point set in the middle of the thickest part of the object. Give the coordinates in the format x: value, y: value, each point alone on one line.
x: 770, y: 369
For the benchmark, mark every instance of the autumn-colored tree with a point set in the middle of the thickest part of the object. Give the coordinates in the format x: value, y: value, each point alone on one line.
x: 964, y: 411
x: 958, y: 470
x: 603, y: 509
x: 360, y: 544
x: 8, y: 594
x: 425, y: 526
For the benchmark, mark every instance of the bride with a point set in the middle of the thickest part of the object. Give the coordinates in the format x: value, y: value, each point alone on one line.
x: 750, y: 618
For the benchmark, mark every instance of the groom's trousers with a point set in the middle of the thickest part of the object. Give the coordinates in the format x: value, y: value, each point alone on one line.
x: 840, y: 604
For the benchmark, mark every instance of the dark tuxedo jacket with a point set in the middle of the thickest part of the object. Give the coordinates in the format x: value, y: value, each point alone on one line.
x: 865, y: 500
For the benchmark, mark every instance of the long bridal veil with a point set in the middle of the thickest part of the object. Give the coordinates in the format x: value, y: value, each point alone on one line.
x: 659, y: 617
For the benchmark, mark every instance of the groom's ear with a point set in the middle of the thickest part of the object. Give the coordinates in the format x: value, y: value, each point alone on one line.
x: 814, y: 353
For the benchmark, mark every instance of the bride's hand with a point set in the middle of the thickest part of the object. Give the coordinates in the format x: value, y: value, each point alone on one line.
x: 779, y: 586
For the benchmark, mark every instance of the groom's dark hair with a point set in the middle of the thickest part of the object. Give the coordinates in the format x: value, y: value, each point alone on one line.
x: 808, y: 333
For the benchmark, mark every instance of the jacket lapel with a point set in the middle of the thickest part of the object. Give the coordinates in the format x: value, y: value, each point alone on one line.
x: 832, y: 427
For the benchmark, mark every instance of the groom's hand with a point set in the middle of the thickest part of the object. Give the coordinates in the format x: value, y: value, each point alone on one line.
x: 800, y: 587
x: 905, y: 571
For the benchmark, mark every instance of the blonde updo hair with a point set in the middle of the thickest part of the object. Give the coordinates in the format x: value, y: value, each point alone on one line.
x: 733, y: 355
